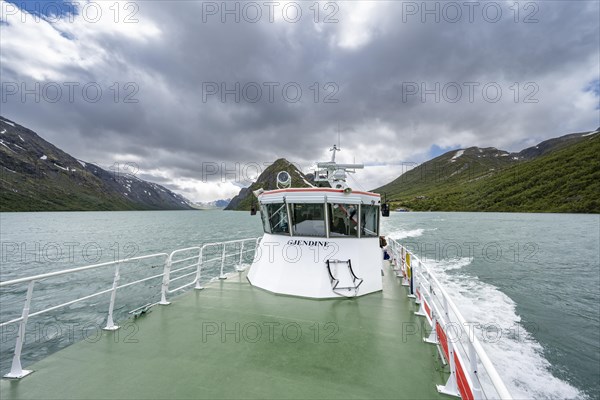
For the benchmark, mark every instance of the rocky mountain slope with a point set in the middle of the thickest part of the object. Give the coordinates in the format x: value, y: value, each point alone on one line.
x: 37, y: 176
x: 557, y: 175
x: 212, y: 205
x: 268, y: 181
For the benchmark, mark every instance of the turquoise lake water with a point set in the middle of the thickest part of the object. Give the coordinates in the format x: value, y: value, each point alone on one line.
x: 531, y: 280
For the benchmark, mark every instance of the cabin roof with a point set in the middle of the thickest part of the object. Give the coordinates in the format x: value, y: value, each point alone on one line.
x: 319, y: 195
x: 318, y: 190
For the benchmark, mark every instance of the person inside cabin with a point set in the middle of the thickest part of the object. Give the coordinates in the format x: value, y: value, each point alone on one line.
x: 340, y: 226
x: 351, y: 212
x: 352, y: 218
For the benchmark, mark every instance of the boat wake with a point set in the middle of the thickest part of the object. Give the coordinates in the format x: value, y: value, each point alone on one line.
x: 400, y: 234
x: 448, y: 265
x: 517, y: 356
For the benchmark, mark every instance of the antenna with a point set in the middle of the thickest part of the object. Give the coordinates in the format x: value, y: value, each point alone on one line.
x: 335, y: 173
x: 334, y: 149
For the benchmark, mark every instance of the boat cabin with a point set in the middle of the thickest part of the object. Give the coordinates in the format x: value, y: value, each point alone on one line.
x: 319, y: 242
x: 320, y: 212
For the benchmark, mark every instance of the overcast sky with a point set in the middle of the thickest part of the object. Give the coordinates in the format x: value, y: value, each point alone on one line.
x: 185, y: 88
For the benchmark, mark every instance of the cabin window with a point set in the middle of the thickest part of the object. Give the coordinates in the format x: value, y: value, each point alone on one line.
x: 264, y: 215
x: 275, y: 219
x: 369, y: 221
x: 308, y: 219
x: 343, y: 220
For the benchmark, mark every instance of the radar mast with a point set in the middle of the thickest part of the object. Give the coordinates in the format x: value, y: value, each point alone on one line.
x: 334, y: 173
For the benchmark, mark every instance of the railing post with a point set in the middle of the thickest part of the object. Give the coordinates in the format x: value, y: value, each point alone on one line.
x: 397, y: 259
x: 110, y: 325
x: 445, y: 302
x: 16, y: 371
x: 239, y: 267
x: 221, y: 276
x: 477, y: 392
x: 421, y: 301
x: 411, y: 282
x: 391, y: 253
x: 256, y: 246
x: 417, y: 284
x: 165, y: 283
x: 432, y: 338
x: 405, y: 266
x: 199, y: 270
x: 451, y: 387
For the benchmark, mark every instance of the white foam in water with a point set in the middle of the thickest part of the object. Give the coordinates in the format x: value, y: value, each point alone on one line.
x: 447, y: 265
x: 400, y: 234
x: 517, y: 357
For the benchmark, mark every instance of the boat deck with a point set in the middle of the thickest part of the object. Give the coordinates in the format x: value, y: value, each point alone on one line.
x: 347, y: 349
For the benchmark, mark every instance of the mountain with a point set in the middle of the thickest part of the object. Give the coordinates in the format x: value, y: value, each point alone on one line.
x: 221, y: 203
x: 211, y: 205
x: 557, y: 175
x: 550, y: 145
x: 268, y: 181
x: 448, y: 171
x: 37, y: 176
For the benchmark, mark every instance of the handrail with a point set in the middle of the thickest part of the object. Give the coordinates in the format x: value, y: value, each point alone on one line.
x: 167, y: 258
x: 481, y: 353
x: 335, y: 282
x: 331, y: 277
x: 477, y: 349
x: 16, y: 370
x: 68, y: 303
x: 354, y: 277
x: 200, y: 261
x: 72, y: 270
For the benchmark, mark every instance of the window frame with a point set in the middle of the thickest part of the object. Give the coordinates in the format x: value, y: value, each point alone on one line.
x: 377, y: 208
x: 327, y: 212
x: 264, y: 209
x: 329, y: 221
x: 292, y: 220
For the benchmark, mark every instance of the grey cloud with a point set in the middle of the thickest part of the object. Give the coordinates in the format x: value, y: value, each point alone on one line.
x: 172, y: 129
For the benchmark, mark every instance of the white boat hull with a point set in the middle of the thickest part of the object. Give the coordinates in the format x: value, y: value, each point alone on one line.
x: 297, y: 266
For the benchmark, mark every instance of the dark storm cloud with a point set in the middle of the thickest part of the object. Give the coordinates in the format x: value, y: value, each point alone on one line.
x: 369, y: 58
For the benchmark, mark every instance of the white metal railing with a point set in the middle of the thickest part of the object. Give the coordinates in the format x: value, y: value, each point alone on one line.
x: 450, y: 332
x: 218, y: 258
x: 169, y: 259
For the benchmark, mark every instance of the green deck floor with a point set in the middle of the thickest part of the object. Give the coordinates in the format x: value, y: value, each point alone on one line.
x: 367, y: 357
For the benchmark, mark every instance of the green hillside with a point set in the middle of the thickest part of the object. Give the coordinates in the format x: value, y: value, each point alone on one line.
x: 21, y: 192
x: 448, y: 172
x: 564, y: 178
